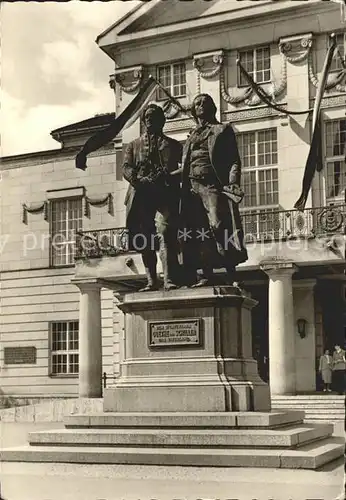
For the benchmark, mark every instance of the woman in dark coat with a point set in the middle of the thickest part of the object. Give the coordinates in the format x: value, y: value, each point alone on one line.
x: 339, y: 367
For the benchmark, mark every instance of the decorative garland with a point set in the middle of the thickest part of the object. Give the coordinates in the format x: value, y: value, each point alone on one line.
x: 198, y: 83
x: 276, y: 89
x: 98, y: 202
x: 171, y: 110
x: 34, y: 209
x: 334, y: 82
x: 227, y: 97
x: 247, y: 95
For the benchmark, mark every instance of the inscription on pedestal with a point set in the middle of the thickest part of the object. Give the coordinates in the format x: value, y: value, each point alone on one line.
x: 20, y: 355
x: 174, y: 333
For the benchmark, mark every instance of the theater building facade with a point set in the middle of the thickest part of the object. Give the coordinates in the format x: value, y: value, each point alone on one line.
x: 64, y: 259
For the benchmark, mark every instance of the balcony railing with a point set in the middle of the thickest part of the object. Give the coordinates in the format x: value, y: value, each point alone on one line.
x: 275, y: 225
x: 263, y: 225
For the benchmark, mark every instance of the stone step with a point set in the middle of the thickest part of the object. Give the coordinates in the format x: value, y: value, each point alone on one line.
x: 309, y: 396
x: 325, y: 400
x: 308, y: 407
x: 329, y: 411
x: 311, y: 456
x: 281, y: 438
x: 318, y: 418
x: 323, y: 415
x: 185, y: 419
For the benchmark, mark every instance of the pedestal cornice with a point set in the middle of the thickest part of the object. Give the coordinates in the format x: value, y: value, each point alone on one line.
x: 210, y: 296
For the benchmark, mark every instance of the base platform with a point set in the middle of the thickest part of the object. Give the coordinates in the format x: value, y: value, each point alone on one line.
x: 188, y: 394
x: 229, y: 439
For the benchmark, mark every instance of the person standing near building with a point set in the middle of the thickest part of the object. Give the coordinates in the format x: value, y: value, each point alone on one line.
x: 339, y: 366
x: 325, y: 369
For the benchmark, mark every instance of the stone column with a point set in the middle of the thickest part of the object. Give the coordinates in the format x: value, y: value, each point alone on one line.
x: 282, y: 379
x: 90, y: 340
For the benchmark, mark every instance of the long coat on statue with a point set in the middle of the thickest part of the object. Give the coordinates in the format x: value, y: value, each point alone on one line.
x: 225, y: 161
x: 135, y: 157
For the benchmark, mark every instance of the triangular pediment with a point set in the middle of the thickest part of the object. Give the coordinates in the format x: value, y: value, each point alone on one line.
x: 167, y: 17
x: 174, y: 11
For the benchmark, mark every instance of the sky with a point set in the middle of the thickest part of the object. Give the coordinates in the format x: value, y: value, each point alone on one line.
x: 52, y: 71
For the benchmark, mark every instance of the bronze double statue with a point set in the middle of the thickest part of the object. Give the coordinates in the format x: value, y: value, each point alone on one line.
x: 185, y: 201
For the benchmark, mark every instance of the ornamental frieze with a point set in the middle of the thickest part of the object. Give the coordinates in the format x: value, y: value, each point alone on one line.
x: 331, y: 101
x: 250, y: 114
x: 183, y: 124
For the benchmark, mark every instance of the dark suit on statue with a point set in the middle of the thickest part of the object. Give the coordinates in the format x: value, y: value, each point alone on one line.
x: 211, y: 161
x: 152, y: 201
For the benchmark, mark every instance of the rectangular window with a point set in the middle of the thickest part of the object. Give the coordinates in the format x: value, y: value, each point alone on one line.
x: 257, y: 64
x: 66, y: 221
x: 335, y: 168
x: 339, y: 53
x: 173, y: 78
x: 64, y: 348
x: 259, y: 154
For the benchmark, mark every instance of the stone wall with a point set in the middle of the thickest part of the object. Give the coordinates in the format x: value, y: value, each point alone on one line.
x: 50, y: 411
x: 32, y: 293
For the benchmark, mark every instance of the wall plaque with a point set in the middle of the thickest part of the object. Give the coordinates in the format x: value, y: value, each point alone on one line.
x: 20, y: 355
x: 184, y: 332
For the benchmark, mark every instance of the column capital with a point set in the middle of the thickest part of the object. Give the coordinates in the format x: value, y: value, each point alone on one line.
x: 87, y: 284
x: 280, y: 268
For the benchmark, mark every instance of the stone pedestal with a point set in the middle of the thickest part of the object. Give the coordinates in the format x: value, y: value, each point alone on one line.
x: 185, y: 395
x: 188, y: 351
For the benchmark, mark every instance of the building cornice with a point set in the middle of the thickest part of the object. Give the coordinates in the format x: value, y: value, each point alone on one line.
x: 42, y: 157
x: 115, y: 39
